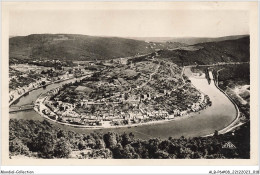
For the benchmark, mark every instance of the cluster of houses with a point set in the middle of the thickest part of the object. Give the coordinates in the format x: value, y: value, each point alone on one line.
x: 122, y: 61
x: 15, y: 94
x: 60, y: 77
x: 76, y: 72
x: 14, y: 77
x: 18, y: 92
x: 64, y: 112
x: 107, y: 115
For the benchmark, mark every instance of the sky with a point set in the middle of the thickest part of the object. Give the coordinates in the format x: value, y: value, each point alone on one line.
x: 130, y: 23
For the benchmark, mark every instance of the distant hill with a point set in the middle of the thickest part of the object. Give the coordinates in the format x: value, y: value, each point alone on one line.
x: 187, y: 40
x: 80, y: 47
x: 212, y: 52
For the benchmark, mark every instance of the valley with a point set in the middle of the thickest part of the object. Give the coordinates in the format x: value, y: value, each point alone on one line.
x: 116, y: 86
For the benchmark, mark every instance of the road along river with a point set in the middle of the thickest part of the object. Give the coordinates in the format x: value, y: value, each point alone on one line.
x: 219, y: 115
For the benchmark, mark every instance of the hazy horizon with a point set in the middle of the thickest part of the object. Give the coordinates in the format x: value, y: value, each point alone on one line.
x: 130, y: 23
x: 126, y: 36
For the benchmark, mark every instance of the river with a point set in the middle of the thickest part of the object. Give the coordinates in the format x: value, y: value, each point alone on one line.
x: 216, y: 117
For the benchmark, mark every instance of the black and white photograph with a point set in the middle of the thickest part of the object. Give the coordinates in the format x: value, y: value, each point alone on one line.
x: 130, y: 83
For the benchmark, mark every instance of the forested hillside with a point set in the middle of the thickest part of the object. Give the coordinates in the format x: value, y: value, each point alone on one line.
x: 209, y: 53
x: 83, y: 47
x: 80, y: 47
x: 187, y: 40
x: 43, y: 140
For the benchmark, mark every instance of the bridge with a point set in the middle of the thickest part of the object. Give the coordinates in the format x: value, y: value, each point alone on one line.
x: 26, y: 107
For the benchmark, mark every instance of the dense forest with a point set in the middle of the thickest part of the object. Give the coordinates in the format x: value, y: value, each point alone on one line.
x: 210, y: 53
x: 43, y: 140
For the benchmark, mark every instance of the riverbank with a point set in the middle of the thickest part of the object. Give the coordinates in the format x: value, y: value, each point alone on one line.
x: 120, y: 126
x: 215, y: 117
x: 47, y: 84
x: 233, y: 123
x: 18, y: 97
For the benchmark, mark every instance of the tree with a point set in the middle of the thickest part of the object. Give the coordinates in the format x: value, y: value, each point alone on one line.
x: 129, y: 152
x: 62, y: 148
x: 161, y: 155
x: 164, y: 145
x: 61, y: 133
x: 92, y: 109
x: 153, y: 146
x: 100, y: 144
x: 81, y: 145
x: 43, y: 83
x: 101, y: 153
x: 17, y: 147
x: 44, y: 144
x: 215, y: 133
x: 140, y: 149
x: 110, y: 140
x: 125, y: 139
x: 131, y: 135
